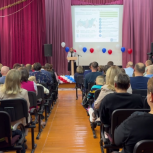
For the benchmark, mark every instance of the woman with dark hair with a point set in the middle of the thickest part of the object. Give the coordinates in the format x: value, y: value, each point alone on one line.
x: 25, y: 83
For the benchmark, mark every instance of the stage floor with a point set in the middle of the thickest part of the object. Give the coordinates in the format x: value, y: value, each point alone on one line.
x: 67, y: 85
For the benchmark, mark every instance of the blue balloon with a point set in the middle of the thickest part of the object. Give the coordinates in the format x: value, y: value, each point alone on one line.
x: 84, y: 49
x: 123, y: 49
x: 67, y: 49
x: 104, y: 50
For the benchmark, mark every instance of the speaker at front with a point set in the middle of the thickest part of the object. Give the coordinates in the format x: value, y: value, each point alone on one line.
x: 47, y: 50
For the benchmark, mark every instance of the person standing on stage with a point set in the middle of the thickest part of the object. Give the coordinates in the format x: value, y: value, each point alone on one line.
x: 71, y: 53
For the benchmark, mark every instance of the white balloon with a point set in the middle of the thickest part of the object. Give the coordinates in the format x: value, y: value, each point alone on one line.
x: 63, y: 44
x: 80, y: 47
x: 98, y: 48
x: 118, y: 46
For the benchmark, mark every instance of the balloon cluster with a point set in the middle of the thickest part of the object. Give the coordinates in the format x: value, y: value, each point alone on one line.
x: 66, y: 79
x: 62, y: 79
x: 70, y: 78
x: 63, y: 44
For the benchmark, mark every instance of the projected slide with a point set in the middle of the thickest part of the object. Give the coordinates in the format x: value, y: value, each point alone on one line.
x: 96, y: 24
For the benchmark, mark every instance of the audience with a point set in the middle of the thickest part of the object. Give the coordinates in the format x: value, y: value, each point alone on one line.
x: 25, y: 83
x: 29, y: 68
x: 91, y: 77
x: 44, y: 70
x: 119, y: 100
x: 4, y: 71
x: 40, y: 77
x: 110, y: 63
x: 129, y: 69
x: 16, y: 66
x: 79, y: 72
x: 137, y: 127
x: 99, y: 83
x: 147, y: 63
x: 12, y: 89
x: 139, y: 82
x: 33, y: 78
x: 149, y: 73
x: 87, y: 71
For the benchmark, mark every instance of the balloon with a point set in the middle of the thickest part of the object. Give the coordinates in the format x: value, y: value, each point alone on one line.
x: 63, y: 44
x: 74, y: 50
x: 130, y: 51
x: 109, y: 51
x: 84, y: 49
x: 67, y: 49
x: 98, y: 48
x: 118, y: 46
x: 80, y: 47
x: 104, y: 50
x: 91, y: 50
x: 123, y: 49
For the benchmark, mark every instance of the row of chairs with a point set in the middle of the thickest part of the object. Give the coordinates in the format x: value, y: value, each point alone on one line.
x: 17, y: 109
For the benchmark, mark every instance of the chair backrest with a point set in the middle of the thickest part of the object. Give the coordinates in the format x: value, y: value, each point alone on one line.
x: 97, y: 92
x: 16, y: 108
x: 5, y: 126
x: 40, y: 90
x: 146, y: 106
x: 142, y: 92
x: 119, y: 115
x: 80, y: 79
x: 32, y: 99
x: 144, y: 146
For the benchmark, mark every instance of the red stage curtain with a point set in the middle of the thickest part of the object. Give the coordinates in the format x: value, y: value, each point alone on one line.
x: 59, y: 29
x: 23, y: 34
x: 137, y: 29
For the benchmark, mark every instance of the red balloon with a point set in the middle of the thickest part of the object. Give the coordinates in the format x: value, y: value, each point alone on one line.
x: 74, y: 50
x: 109, y: 51
x: 91, y: 50
x: 130, y: 51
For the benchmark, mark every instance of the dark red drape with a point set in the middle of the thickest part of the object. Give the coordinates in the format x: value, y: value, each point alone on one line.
x: 23, y: 34
x: 137, y: 29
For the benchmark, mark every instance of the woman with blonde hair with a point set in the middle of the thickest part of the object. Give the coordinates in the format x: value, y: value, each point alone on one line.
x: 12, y: 90
x: 79, y: 71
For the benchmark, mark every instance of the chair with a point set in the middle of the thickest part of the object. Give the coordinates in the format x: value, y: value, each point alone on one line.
x: 144, y: 146
x: 36, y: 113
x: 146, y: 106
x: 95, y: 124
x: 14, y: 144
x: 142, y: 92
x: 79, y: 81
x: 118, y: 116
x: 17, y: 109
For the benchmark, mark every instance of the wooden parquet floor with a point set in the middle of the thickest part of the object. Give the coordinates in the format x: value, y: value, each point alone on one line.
x: 68, y: 129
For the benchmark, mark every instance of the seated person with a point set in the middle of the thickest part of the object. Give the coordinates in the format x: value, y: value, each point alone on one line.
x: 4, y: 71
x: 147, y: 63
x: 41, y: 77
x: 12, y: 89
x: 91, y: 77
x: 119, y: 100
x: 101, y: 69
x: 49, y: 68
x: 149, y: 72
x: 87, y: 71
x: 110, y: 63
x: 105, y: 90
x: 99, y: 83
x: 79, y: 72
x: 33, y: 78
x: 44, y: 70
x: 129, y: 69
x: 25, y: 83
x: 139, y: 82
x: 29, y: 68
x: 16, y: 66
x: 137, y: 127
